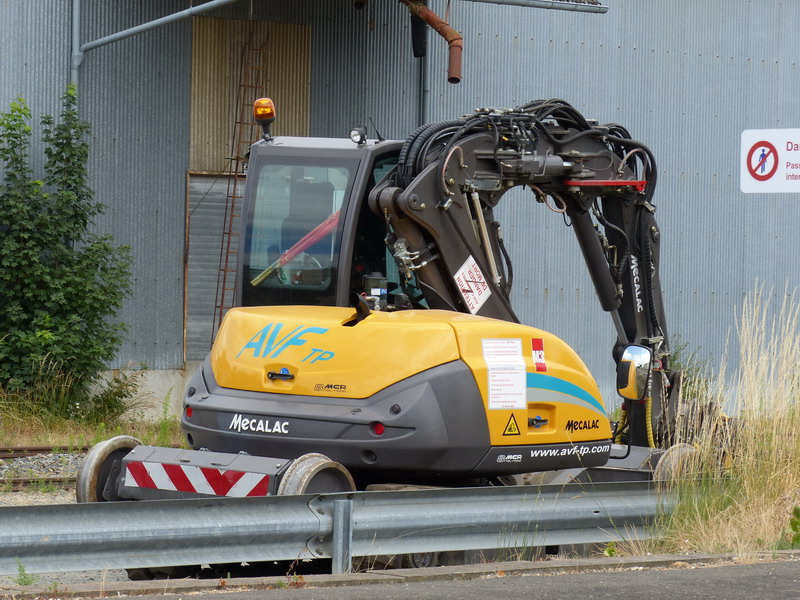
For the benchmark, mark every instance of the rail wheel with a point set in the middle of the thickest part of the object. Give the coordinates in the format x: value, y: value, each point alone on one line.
x: 315, y: 473
x: 97, y: 482
x: 102, y: 467
x: 674, y: 463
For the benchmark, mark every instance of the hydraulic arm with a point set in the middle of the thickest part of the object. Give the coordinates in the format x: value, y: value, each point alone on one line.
x: 438, y: 205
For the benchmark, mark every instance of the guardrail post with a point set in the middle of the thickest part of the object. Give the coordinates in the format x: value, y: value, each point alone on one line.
x: 342, y: 550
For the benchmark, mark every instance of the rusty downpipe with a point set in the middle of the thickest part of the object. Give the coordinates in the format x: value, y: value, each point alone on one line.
x: 455, y: 42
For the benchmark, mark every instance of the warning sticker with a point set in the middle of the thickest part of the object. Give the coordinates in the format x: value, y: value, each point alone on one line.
x: 770, y: 161
x: 511, y: 427
x: 505, y: 373
x: 472, y: 285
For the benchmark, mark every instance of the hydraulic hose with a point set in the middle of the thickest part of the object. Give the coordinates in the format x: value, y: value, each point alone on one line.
x: 425, y: 148
x: 473, y: 125
x: 507, y: 259
x: 647, y: 259
x: 626, y: 251
x: 415, y: 145
x: 623, y: 423
x: 652, y: 172
x: 401, y: 159
x: 595, y: 260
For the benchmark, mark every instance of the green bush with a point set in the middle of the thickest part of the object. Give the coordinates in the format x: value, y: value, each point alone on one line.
x: 60, y: 284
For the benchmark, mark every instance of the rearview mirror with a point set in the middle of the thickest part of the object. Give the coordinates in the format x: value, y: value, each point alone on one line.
x: 633, y: 372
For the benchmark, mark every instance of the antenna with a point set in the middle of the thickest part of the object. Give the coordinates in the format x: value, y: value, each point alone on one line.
x: 378, y: 133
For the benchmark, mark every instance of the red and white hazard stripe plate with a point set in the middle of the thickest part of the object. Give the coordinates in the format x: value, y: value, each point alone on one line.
x: 195, y: 480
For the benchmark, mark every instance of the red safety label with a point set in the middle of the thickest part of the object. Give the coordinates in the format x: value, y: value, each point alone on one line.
x: 537, y: 352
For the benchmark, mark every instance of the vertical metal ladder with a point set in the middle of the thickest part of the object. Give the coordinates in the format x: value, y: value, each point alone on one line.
x: 252, y: 78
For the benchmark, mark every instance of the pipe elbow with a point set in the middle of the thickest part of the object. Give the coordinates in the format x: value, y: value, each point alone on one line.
x: 454, y: 61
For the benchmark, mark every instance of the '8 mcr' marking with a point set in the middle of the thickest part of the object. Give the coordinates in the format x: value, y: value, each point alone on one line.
x: 268, y: 342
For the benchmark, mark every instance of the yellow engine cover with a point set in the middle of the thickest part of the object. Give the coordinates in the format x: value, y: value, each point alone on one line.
x: 535, y: 388
x: 326, y: 356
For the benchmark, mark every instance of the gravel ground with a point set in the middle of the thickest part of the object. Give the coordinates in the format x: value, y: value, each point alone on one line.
x: 42, y: 465
x: 49, y: 465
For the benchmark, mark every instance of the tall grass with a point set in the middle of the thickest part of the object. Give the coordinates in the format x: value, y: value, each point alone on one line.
x: 738, y: 487
x: 58, y: 411
x: 55, y: 391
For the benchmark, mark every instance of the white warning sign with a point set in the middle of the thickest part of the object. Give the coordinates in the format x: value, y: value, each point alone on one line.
x: 506, y: 373
x: 472, y: 285
x: 770, y: 161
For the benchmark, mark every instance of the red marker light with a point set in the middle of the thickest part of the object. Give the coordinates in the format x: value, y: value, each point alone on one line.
x: 378, y: 428
x: 188, y: 412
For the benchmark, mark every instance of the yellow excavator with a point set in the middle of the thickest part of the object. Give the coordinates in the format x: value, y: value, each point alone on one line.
x: 374, y: 340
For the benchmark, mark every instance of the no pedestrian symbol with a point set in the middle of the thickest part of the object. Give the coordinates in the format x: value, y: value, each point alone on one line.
x: 762, y: 161
x: 769, y: 161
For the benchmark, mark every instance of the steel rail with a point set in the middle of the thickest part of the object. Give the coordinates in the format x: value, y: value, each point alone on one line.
x: 74, y: 537
x: 9, y: 452
x: 18, y: 484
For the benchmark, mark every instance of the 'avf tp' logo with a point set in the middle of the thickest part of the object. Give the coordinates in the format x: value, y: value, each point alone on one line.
x: 269, y: 342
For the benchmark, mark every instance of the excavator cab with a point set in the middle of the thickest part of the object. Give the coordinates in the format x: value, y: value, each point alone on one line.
x: 310, y: 237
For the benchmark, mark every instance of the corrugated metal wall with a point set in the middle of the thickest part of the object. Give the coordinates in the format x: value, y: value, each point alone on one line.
x: 363, y: 68
x: 685, y: 77
x: 136, y: 94
x: 207, y: 203
x: 34, y: 67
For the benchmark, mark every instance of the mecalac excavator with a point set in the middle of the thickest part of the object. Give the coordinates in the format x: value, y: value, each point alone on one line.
x: 376, y: 343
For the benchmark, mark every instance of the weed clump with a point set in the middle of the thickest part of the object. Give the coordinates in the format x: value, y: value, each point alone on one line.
x: 736, y: 491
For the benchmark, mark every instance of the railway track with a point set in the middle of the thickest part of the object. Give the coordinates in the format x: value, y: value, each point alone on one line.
x: 22, y: 484
x: 26, y: 478
x: 11, y: 452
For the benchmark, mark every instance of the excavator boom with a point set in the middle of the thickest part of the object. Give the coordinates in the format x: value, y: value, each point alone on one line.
x: 439, y: 203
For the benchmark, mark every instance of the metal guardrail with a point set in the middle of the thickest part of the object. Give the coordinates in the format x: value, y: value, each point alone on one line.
x: 107, y: 535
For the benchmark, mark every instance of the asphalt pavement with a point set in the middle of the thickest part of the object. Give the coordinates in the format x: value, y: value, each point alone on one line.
x: 774, y: 577
x: 779, y: 580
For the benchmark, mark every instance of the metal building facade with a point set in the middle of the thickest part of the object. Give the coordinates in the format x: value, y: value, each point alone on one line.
x: 684, y: 77
x: 34, y: 66
x: 135, y: 92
